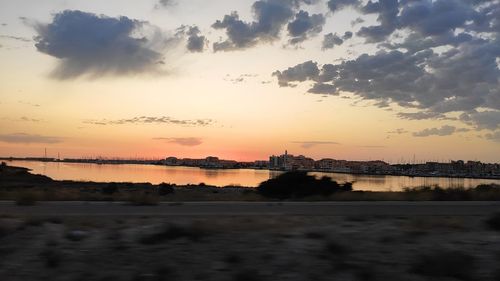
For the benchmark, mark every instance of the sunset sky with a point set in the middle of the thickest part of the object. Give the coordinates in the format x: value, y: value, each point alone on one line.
x: 344, y: 79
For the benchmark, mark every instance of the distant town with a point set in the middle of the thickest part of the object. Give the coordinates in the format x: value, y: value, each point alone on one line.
x: 289, y: 162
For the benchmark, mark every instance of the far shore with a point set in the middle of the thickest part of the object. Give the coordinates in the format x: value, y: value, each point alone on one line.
x: 153, y: 163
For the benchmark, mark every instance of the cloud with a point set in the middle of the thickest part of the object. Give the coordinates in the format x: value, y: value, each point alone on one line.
x: 421, y: 115
x: 460, y: 79
x: 495, y: 136
x: 183, y: 141
x: 195, y: 41
x: 28, y: 103
x: 398, y: 131
x: 336, y: 5
x: 163, y: 4
x: 304, y: 26
x: 85, y: 43
x: 324, y: 89
x: 270, y: 18
x: 299, y: 73
x: 489, y: 120
x: 310, y: 144
x: 445, y: 130
x: 17, y: 38
x: 27, y: 119
x: 29, y: 138
x: 154, y: 120
x: 331, y: 40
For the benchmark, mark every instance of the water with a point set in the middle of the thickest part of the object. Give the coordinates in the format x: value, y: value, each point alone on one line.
x: 243, y: 177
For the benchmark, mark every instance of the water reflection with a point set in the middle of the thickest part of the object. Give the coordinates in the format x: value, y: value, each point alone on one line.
x: 241, y: 177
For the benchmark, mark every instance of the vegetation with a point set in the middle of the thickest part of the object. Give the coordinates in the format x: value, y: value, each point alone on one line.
x: 110, y: 188
x: 173, y: 231
x: 165, y: 189
x: 446, y: 263
x: 143, y: 199
x: 299, y: 185
x: 26, y: 198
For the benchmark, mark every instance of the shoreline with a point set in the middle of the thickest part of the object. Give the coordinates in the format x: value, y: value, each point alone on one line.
x: 20, y: 185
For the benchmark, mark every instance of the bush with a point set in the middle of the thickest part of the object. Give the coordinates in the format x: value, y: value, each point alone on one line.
x: 110, y: 188
x: 143, y: 199
x: 165, y: 189
x: 172, y: 232
x: 298, y: 185
x: 26, y: 198
x: 446, y: 263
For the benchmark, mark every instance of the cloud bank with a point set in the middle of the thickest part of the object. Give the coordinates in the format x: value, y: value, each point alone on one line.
x: 438, y: 57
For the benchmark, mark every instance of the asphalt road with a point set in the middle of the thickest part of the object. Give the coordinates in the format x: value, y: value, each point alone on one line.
x: 253, y: 208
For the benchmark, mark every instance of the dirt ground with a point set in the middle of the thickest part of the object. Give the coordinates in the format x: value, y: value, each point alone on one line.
x: 247, y: 248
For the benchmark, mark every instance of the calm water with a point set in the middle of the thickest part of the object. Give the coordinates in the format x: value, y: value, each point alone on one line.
x: 243, y: 177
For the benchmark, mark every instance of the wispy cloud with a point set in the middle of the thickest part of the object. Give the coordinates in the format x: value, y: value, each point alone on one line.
x: 17, y: 38
x: 28, y: 103
x: 445, y: 130
x: 310, y: 144
x: 29, y: 138
x: 372, y: 146
x: 153, y: 120
x: 191, y: 141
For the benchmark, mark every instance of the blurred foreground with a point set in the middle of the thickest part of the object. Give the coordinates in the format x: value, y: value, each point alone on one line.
x: 246, y: 247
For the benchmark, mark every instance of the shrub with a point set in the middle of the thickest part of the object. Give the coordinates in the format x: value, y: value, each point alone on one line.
x: 26, y: 198
x: 144, y: 199
x: 172, y: 232
x: 165, y: 188
x: 110, y: 188
x: 445, y: 263
x: 298, y: 185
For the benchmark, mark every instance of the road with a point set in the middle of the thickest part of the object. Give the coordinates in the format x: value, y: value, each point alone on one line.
x: 65, y: 209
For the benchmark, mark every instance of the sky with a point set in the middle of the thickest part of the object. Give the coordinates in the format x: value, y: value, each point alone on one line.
x: 344, y: 79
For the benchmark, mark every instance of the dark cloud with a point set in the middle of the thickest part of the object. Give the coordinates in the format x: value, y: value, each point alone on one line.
x: 336, y: 5
x: 183, y: 141
x: 299, y: 73
x: 489, y: 120
x: 270, y: 18
x: 29, y: 138
x: 195, y: 41
x: 86, y: 43
x: 331, y: 40
x: 154, y: 120
x: 387, y: 11
x: 304, y: 26
x: 357, y: 21
x: 460, y: 79
x: 421, y: 115
x: 323, y: 89
x: 310, y: 144
x: 445, y: 130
